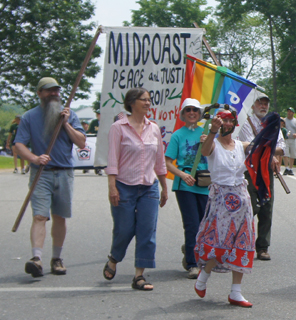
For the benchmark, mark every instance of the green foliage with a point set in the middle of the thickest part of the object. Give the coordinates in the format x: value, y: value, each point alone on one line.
x: 6, y: 162
x: 97, y: 103
x: 243, y: 46
x: 281, y: 14
x: 169, y: 13
x: 44, y: 38
x: 286, y: 68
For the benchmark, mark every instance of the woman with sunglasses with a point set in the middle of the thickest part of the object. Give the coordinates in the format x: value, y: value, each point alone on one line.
x: 225, y: 241
x: 135, y: 161
x: 191, y: 198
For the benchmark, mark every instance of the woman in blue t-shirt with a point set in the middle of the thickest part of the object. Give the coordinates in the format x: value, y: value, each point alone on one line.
x: 191, y: 199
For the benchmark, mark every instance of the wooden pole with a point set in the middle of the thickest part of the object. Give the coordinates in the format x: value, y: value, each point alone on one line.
x: 57, y: 129
x: 211, y: 52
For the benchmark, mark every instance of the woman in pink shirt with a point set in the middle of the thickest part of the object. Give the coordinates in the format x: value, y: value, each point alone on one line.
x: 135, y: 161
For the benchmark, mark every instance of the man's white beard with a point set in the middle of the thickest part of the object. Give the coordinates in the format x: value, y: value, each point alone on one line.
x: 52, y: 108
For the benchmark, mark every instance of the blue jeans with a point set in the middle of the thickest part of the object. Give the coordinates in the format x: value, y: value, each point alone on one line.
x: 136, y: 215
x: 192, y: 207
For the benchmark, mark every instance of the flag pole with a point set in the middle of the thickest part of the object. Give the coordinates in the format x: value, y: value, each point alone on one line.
x: 211, y: 52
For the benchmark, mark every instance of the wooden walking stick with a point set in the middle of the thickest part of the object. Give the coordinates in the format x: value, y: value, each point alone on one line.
x: 57, y: 129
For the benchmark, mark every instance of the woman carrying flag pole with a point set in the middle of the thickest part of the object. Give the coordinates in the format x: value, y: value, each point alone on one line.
x: 225, y: 241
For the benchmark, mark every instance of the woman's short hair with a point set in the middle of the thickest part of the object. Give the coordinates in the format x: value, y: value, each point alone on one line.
x: 131, y: 96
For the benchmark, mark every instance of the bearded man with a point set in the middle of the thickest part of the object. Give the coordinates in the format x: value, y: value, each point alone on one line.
x: 264, y: 213
x: 54, y: 189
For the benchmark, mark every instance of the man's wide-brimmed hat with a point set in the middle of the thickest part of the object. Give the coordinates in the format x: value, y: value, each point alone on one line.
x: 46, y: 83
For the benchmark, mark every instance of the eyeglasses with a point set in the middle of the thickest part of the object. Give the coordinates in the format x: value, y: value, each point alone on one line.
x: 145, y: 99
x: 191, y: 109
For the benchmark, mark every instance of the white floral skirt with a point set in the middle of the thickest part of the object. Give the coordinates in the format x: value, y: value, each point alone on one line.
x: 226, y: 232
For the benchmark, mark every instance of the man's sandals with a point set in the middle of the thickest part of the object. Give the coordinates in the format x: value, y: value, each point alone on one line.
x: 108, y: 269
x: 141, y: 286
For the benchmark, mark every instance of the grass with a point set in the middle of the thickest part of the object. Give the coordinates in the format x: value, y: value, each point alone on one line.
x: 6, y: 162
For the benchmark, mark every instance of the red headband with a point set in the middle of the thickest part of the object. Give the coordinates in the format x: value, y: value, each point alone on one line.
x: 227, y: 114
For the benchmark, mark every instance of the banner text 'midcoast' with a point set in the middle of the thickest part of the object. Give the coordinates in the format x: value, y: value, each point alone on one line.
x: 134, y: 49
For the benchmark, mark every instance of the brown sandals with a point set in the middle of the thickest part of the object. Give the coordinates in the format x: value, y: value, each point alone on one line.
x: 141, y: 286
x: 108, y: 269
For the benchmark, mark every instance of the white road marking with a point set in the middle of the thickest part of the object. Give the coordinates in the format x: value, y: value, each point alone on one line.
x: 292, y: 177
x: 64, y: 289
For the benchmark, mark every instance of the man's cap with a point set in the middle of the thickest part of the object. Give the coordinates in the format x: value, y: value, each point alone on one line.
x: 98, y: 111
x: 291, y: 109
x: 282, y: 119
x: 18, y: 116
x: 85, y: 121
x: 188, y: 102
x: 261, y: 95
x: 46, y: 83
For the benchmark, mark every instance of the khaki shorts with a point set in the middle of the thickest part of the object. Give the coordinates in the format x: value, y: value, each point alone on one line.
x: 53, y: 192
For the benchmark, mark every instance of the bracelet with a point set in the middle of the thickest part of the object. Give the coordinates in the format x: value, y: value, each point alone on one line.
x: 213, y: 132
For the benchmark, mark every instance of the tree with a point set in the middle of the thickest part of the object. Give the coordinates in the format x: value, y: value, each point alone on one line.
x: 237, y: 45
x: 272, y: 10
x: 286, y: 67
x: 243, y: 47
x: 169, y: 13
x: 44, y: 38
x: 97, y: 103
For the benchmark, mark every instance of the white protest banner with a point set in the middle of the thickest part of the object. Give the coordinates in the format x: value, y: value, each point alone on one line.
x: 152, y: 58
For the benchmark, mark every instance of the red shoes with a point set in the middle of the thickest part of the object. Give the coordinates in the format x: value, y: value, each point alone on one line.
x: 200, y: 293
x: 244, y: 304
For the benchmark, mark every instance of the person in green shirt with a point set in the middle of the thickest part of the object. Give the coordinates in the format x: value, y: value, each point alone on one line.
x: 10, y: 144
x: 94, y: 125
x: 85, y: 125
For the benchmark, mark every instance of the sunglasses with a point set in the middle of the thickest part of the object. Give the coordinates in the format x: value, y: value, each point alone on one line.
x: 191, y: 109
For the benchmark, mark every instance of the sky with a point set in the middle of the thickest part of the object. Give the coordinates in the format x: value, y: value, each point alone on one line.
x: 111, y: 13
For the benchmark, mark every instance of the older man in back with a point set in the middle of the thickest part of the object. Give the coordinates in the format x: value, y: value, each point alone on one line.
x: 264, y: 213
x: 54, y: 189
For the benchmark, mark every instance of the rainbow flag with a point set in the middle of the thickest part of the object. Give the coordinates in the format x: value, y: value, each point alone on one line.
x: 209, y: 84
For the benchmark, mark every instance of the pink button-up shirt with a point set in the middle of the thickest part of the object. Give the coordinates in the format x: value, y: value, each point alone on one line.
x: 135, y: 159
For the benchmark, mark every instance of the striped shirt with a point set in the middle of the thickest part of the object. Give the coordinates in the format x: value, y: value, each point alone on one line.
x: 135, y: 159
x: 246, y: 133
